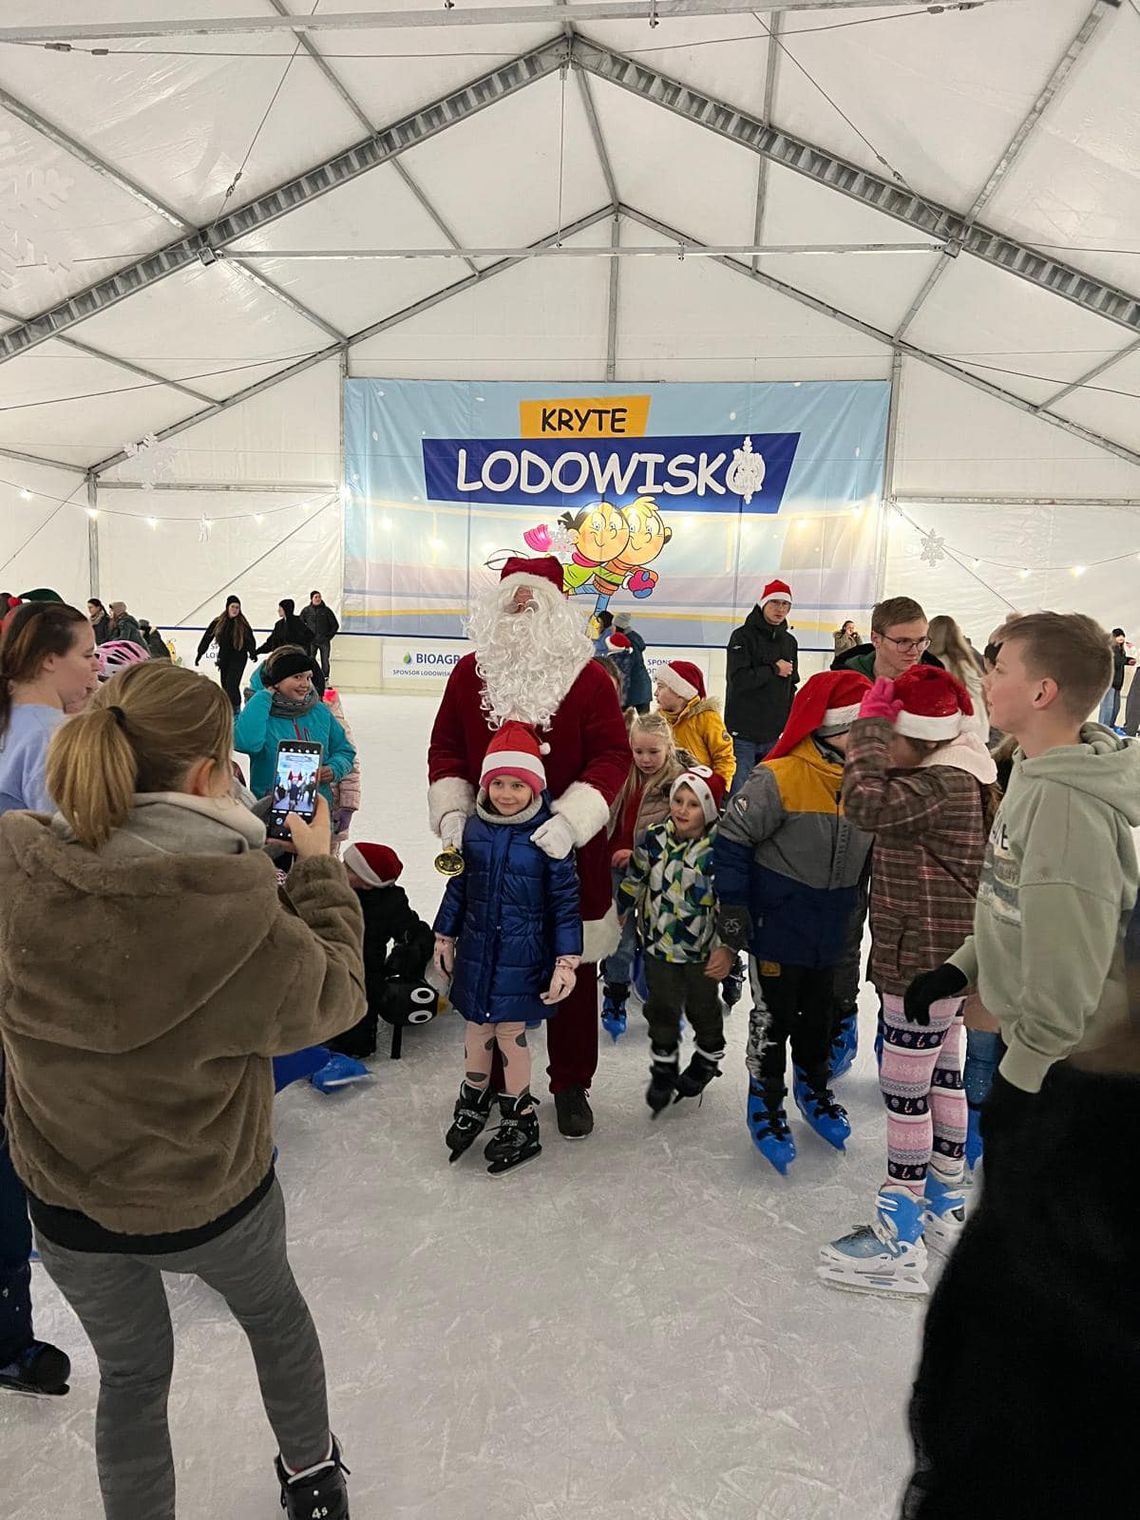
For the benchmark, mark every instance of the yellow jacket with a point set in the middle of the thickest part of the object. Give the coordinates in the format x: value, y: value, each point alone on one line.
x: 700, y: 729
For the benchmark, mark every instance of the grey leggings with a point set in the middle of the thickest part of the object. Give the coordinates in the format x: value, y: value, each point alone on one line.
x: 121, y: 1303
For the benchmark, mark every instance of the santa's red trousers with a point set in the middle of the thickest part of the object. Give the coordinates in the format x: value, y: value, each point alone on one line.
x: 571, y: 1038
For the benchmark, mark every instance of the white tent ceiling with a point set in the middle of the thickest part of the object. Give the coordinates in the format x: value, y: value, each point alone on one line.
x: 1016, y: 116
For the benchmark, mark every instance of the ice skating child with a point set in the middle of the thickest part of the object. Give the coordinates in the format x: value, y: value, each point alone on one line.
x: 787, y: 867
x: 509, y: 934
x: 695, y: 718
x: 642, y: 803
x: 139, y: 1080
x: 286, y: 705
x: 669, y: 887
x: 920, y: 779
x: 1034, y: 1310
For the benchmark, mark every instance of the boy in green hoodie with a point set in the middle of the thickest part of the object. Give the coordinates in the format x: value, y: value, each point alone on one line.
x: 1033, y: 1310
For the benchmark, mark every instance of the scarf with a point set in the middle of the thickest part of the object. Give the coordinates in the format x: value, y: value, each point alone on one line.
x: 283, y: 707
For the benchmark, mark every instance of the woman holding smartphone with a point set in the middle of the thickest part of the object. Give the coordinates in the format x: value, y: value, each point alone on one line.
x: 288, y: 707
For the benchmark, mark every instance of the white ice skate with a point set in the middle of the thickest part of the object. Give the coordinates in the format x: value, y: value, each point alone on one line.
x: 887, y: 1256
x: 945, y: 1216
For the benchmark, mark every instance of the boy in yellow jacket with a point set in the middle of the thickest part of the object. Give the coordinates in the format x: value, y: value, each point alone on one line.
x: 696, y: 719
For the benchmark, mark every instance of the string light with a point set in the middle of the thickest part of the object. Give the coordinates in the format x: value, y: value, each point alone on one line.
x: 1079, y: 569
x: 25, y: 494
x: 152, y: 522
x: 975, y: 562
x: 1023, y: 573
x: 92, y: 513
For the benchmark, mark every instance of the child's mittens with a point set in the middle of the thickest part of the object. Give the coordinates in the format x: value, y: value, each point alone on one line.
x: 734, y: 926
x: 620, y: 859
x: 443, y: 957
x: 451, y: 827
x: 881, y: 702
x: 562, y: 982
x: 555, y: 837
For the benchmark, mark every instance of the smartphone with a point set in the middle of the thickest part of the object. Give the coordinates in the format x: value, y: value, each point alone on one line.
x: 296, y: 782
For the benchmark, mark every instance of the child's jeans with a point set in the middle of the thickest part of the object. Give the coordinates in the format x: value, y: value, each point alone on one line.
x: 679, y: 988
x: 921, y: 1083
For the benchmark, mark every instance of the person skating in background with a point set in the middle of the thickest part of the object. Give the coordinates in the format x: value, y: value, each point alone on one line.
x: 619, y: 651
x: 949, y: 645
x: 287, y: 706
x: 846, y: 638
x: 920, y: 779
x: 694, y: 717
x: 160, y: 1024
x: 323, y: 625
x: 509, y: 934
x: 124, y: 628
x: 1109, y: 710
x: 640, y: 688
x: 156, y: 645
x: 642, y: 803
x: 604, y: 624
x: 668, y: 885
x: 786, y: 869
x: 288, y: 629
x: 231, y: 632
x: 1033, y: 1312
x: 762, y: 675
x: 100, y: 620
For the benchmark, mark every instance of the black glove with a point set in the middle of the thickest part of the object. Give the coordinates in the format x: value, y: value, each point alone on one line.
x: 734, y: 926
x: 1005, y: 1108
x: 944, y: 981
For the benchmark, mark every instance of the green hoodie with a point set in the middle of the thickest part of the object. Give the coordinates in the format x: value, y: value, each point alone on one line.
x: 1058, y: 885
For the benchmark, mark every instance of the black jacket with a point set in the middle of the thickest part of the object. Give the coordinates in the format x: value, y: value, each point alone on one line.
x: 288, y: 630
x: 862, y: 659
x: 1119, y: 661
x: 321, y: 622
x: 228, y: 653
x: 759, y: 699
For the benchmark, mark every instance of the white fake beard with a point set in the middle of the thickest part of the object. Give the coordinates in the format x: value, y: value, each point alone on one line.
x: 527, y: 660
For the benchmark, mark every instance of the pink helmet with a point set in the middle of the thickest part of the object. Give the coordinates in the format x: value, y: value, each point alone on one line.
x: 117, y: 654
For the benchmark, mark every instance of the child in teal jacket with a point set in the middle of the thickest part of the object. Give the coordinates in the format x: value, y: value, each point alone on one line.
x: 287, y: 706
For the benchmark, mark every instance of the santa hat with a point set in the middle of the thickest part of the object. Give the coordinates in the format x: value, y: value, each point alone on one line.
x: 826, y: 705
x: 375, y: 864
x: 935, y: 704
x: 537, y: 573
x: 708, y: 787
x: 515, y: 751
x: 683, y: 677
x: 617, y: 643
x: 775, y: 589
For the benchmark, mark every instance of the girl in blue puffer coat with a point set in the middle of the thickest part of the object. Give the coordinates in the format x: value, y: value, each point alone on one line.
x: 509, y: 934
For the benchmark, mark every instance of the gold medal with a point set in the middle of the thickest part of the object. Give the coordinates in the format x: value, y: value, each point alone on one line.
x: 450, y: 863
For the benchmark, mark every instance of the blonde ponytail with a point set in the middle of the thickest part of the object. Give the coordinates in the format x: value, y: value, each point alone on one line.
x: 91, y: 773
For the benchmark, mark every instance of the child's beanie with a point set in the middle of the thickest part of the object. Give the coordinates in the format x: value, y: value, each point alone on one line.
x: 515, y: 751
x: 683, y: 677
x: 708, y: 787
x: 376, y: 864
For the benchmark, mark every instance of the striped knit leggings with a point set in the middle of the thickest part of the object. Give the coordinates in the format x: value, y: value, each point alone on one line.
x: 921, y: 1083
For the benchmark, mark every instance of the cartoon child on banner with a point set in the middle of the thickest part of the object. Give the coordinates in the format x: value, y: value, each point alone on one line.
x: 609, y: 548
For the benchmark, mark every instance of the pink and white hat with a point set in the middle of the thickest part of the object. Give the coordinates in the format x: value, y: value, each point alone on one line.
x: 935, y: 704
x: 515, y: 751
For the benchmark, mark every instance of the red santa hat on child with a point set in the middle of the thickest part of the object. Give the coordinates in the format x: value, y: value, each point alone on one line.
x: 538, y: 573
x: 375, y: 864
x: 776, y: 589
x: 683, y: 677
x: 935, y: 704
x: 827, y: 704
x: 515, y: 751
x: 617, y: 643
x: 708, y: 786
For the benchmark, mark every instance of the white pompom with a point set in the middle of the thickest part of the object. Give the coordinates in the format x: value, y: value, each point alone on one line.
x: 544, y: 749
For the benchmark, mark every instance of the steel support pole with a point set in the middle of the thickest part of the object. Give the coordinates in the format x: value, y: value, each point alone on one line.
x: 93, y: 532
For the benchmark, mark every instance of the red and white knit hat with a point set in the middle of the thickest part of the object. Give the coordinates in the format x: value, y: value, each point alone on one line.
x: 515, y: 751
x: 827, y: 704
x: 935, y: 704
x: 538, y: 573
x: 775, y: 589
x: 683, y: 677
x: 617, y: 643
x: 374, y: 863
x: 708, y: 787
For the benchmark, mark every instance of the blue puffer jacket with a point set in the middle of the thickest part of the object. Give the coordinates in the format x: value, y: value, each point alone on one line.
x: 513, y: 912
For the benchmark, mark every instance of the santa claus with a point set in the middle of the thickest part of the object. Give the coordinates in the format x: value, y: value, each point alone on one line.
x: 534, y: 664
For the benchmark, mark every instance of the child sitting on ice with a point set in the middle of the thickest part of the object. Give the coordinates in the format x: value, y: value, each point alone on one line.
x: 669, y: 886
x: 695, y: 718
x: 509, y: 934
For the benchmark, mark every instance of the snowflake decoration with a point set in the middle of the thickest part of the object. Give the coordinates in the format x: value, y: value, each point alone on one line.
x: 29, y: 232
x: 149, y: 461
x: 746, y: 472
x: 933, y: 548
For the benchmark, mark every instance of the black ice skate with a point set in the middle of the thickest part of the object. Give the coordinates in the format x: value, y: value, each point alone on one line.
x: 472, y: 1110
x: 698, y: 1074
x: 320, y: 1491
x: 40, y: 1370
x: 517, y: 1137
x: 662, y: 1078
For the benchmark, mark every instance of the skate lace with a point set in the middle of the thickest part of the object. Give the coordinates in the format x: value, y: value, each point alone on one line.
x: 776, y: 1122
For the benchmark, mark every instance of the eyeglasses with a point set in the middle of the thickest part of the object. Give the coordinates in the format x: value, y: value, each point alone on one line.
x: 907, y: 646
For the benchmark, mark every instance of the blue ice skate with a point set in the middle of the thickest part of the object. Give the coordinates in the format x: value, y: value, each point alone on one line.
x: 614, y: 995
x: 945, y: 1217
x: 845, y: 1044
x: 768, y: 1124
x: 886, y: 1256
x: 822, y: 1113
x: 974, y: 1146
x: 339, y: 1071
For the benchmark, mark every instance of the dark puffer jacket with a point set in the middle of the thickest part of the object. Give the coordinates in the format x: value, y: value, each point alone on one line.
x: 288, y: 630
x: 513, y: 911
x: 758, y: 697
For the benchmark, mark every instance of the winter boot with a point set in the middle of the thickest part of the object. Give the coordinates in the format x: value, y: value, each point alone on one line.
x: 517, y: 1137
x: 819, y: 1108
x: 887, y: 1256
x: 614, y: 996
x: 768, y: 1124
x: 945, y: 1216
x: 472, y: 1110
x: 662, y: 1077
x: 704, y: 1066
x: 732, y: 987
x: 844, y: 1043
x: 40, y: 1370
x: 974, y: 1145
x: 339, y: 1071
x: 319, y: 1490
x: 575, y: 1116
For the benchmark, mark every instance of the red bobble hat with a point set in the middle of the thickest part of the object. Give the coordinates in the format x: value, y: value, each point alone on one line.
x: 683, y: 677
x: 543, y: 570
x: 827, y: 704
x: 775, y: 589
x: 708, y: 786
x: 515, y: 751
x: 935, y: 704
x: 374, y: 863
x: 617, y: 643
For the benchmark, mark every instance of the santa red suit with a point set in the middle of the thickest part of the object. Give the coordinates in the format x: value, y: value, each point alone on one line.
x: 535, y: 665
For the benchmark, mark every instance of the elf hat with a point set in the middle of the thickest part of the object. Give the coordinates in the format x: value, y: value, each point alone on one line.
x: 776, y: 589
x: 538, y: 573
x: 708, y: 786
x: 617, y: 643
x: 374, y: 863
x: 515, y: 751
x: 827, y: 705
x: 683, y: 677
x: 935, y: 704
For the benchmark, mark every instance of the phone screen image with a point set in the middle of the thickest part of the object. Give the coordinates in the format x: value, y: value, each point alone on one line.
x: 295, y: 785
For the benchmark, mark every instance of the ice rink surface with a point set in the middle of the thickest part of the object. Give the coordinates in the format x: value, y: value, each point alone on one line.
x: 628, y: 1328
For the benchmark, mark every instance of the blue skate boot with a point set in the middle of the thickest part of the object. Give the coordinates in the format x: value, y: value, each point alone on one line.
x: 819, y: 1108
x: 768, y: 1124
x: 844, y: 1044
x: 339, y: 1071
x: 886, y: 1256
x: 614, y: 995
x: 945, y: 1217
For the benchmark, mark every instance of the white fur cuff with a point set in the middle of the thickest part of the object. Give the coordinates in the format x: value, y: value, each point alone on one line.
x: 600, y: 938
x: 584, y: 809
x: 450, y: 794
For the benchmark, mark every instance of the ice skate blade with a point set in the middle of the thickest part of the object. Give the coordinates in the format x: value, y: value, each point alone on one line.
x: 879, y: 1285
x: 23, y: 1391
x: 941, y: 1240
x: 501, y: 1168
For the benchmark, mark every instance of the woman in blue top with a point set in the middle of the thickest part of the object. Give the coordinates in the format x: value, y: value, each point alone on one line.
x: 287, y: 706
